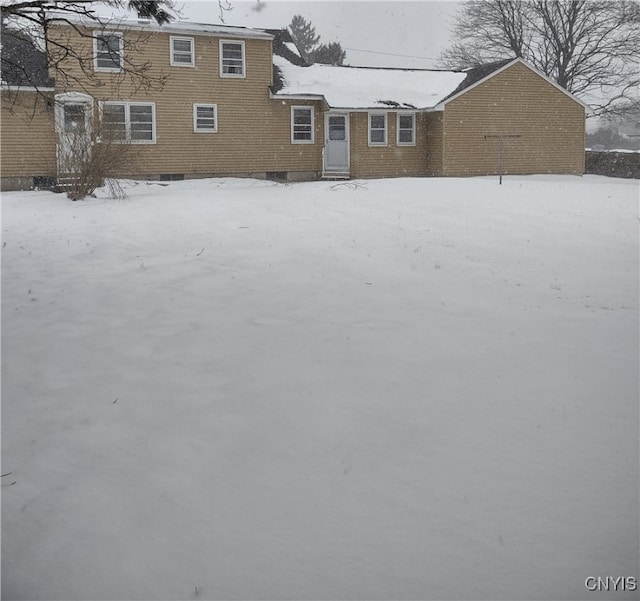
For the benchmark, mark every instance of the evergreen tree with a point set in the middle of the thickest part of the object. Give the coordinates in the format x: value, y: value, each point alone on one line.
x: 329, y: 54
x: 304, y: 36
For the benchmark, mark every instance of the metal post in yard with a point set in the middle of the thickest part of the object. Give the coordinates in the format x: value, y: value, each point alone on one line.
x: 501, y: 138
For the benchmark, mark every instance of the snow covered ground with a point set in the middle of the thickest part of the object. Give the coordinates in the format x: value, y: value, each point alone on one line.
x: 409, y: 389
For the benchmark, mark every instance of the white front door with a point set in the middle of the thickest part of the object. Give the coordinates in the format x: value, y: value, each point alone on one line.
x: 73, y: 114
x: 336, y: 142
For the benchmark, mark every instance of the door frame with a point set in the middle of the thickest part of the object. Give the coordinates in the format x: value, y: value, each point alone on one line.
x: 327, y: 115
x: 60, y: 102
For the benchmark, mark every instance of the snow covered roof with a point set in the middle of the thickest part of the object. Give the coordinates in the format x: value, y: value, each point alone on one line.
x: 367, y: 88
x: 206, y: 28
x: 183, y: 27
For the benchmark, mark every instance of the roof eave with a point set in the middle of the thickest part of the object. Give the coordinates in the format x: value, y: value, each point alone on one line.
x: 279, y: 96
x: 350, y: 109
x: 18, y: 88
x: 148, y: 26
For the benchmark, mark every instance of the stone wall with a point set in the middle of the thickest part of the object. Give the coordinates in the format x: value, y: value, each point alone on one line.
x: 613, y: 164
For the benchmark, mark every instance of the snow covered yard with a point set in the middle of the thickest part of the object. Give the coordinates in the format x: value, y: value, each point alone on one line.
x: 232, y: 389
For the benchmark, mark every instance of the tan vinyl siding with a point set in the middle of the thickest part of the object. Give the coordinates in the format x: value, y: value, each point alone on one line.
x: 27, y: 135
x: 390, y: 160
x: 254, y: 131
x: 515, y: 102
x: 435, y: 142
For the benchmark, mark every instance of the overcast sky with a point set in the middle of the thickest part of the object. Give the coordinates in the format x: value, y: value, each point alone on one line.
x: 370, y: 32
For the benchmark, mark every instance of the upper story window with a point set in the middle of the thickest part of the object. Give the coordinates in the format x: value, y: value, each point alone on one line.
x: 108, y: 51
x: 302, y: 127
x: 205, y: 118
x: 133, y: 122
x: 377, y: 129
x: 406, y: 129
x: 182, y: 54
x: 232, y: 61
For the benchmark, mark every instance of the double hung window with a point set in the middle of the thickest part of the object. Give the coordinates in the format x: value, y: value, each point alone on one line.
x: 205, y: 118
x: 406, y: 129
x: 182, y: 54
x: 302, y: 125
x: 232, y: 59
x: 377, y: 129
x: 108, y: 51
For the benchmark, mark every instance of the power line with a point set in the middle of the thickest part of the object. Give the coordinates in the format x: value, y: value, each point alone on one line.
x: 428, y: 58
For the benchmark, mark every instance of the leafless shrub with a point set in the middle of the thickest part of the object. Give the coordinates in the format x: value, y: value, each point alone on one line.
x: 89, y: 160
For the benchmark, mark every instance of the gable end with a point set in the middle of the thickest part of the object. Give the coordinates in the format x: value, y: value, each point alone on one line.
x: 504, y: 67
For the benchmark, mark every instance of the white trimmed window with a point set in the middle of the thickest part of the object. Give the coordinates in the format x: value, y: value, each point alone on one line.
x: 406, y: 129
x: 377, y: 129
x: 182, y: 54
x: 133, y: 122
x: 302, y: 125
x: 108, y: 51
x: 205, y: 118
x: 232, y: 63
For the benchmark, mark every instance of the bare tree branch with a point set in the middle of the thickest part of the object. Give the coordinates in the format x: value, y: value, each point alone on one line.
x: 589, y: 47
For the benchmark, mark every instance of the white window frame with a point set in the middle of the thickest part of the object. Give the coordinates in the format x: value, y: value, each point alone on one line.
x: 215, y: 118
x: 386, y: 129
x: 244, y: 59
x: 175, y: 38
x: 127, y: 119
x: 102, y: 34
x: 413, y: 128
x: 311, y: 109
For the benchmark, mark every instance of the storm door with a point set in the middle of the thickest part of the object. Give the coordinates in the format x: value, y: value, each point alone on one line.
x: 336, y: 142
x: 73, y: 125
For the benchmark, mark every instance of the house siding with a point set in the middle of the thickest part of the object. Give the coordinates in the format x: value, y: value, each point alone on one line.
x: 28, y: 139
x: 253, y: 136
x: 390, y: 160
x: 515, y: 102
x: 434, y: 126
x: 254, y: 130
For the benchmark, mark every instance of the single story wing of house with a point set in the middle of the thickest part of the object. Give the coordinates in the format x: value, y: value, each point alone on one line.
x: 242, y: 102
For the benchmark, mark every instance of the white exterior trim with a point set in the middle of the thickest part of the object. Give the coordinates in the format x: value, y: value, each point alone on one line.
x: 346, y: 109
x: 73, y: 97
x: 127, y: 118
x: 242, y: 75
x: 12, y: 88
x: 109, y: 23
x: 414, y: 128
x: 171, y: 51
x: 347, y: 123
x: 77, y: 98
x: 283, y: 97
x: 196, y: 106
x: 440, y: 106
x: 98, y: 33
x: 386, y: 128
x: 313, y: 124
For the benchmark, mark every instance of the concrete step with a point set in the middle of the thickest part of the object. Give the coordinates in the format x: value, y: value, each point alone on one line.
x: 336, y: 175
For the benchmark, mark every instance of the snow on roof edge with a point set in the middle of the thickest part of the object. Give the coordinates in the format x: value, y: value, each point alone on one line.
x: 114, y: 22
x: 362, y: 88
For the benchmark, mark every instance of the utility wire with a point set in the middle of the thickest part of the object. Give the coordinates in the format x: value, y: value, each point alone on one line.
x: 428, y: 58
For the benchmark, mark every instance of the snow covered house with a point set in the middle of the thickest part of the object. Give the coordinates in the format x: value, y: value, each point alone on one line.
x: 210, y: 100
